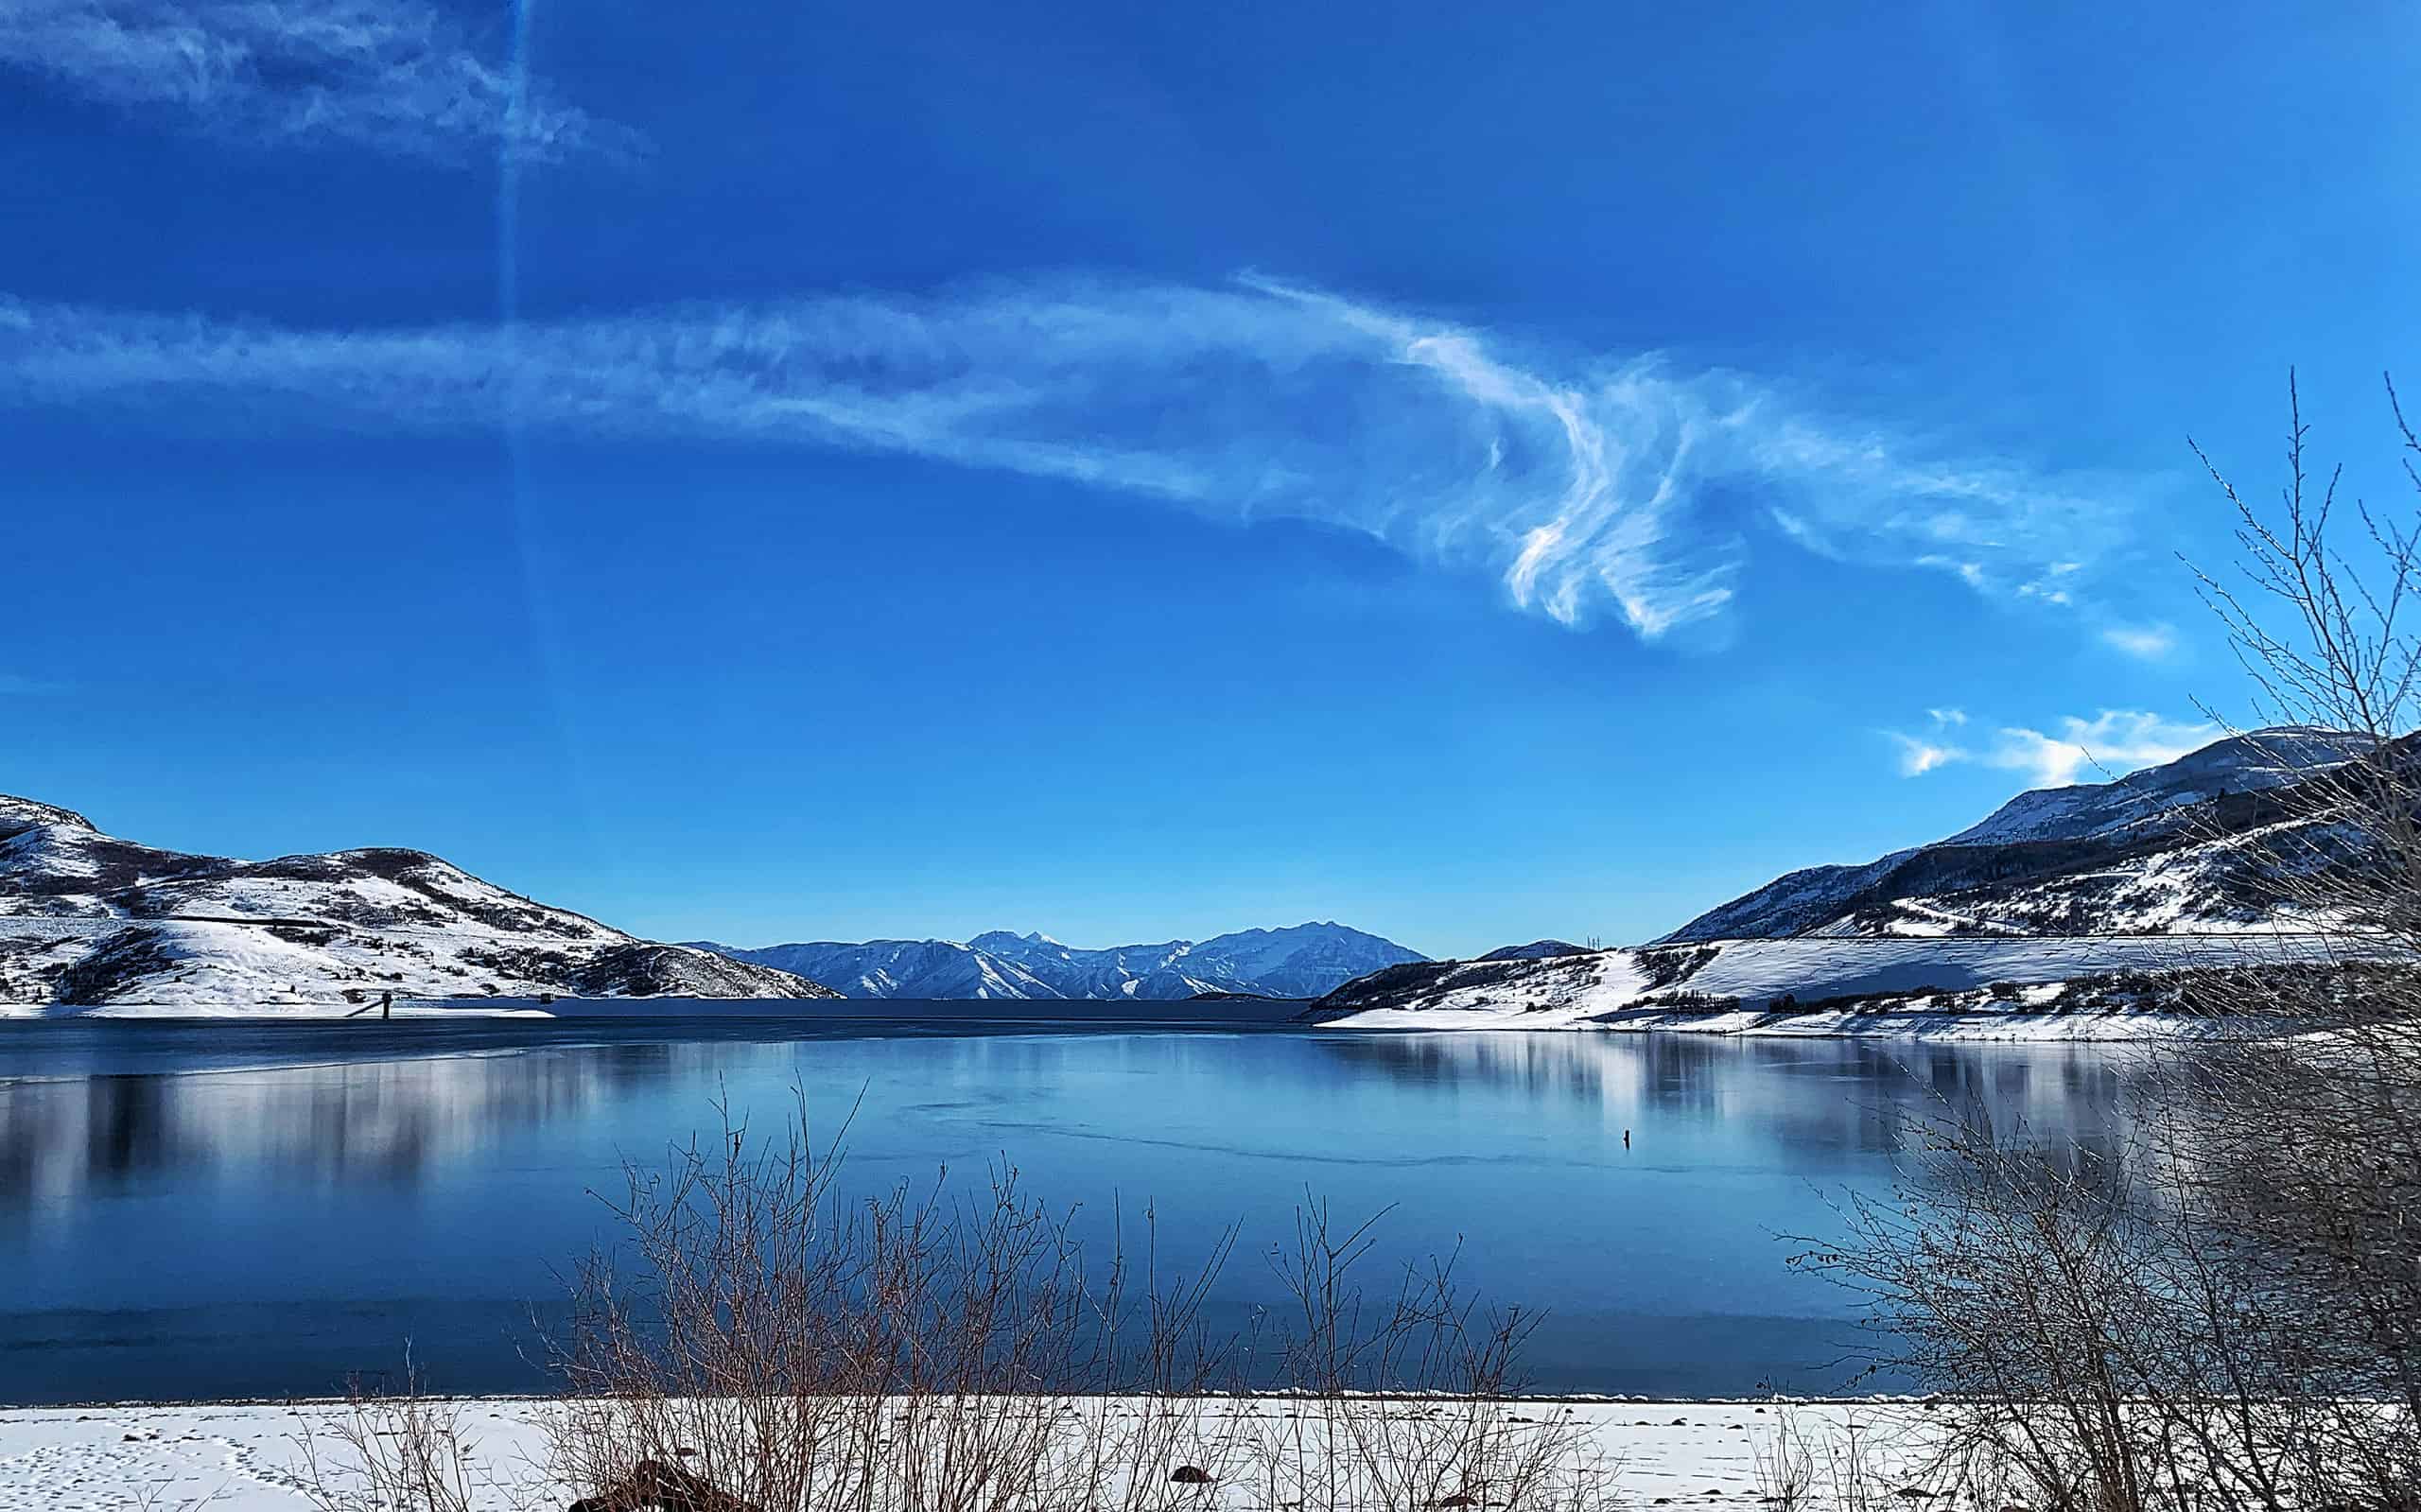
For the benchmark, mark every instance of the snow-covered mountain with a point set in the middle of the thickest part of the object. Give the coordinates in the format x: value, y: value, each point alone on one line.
x: 89, y: 920
x: 1302, y: 962
x: 2159, y: 800
x: 2066, y: 910
x: 2158, y: 851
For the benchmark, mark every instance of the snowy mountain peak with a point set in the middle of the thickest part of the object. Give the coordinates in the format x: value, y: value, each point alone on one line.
x: 2240, y: 763
x: 17, y: 815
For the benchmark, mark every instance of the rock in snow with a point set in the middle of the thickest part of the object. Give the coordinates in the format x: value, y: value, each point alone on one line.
x: 91, y: 921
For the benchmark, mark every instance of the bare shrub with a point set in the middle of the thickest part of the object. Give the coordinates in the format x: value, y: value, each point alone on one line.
x: 1852, y: 1458
x: 403, y: 1451
x: 1783, y: 1463
x: 1405, y: 1400
x: 793, y: 1347
x: 2310, y: 1153
x: 2222, y: 1310
x: 2106, y: 1340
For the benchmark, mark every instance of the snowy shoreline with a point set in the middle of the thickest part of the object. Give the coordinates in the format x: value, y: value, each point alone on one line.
x: 2013, y: 1026
x: 2017, y: 1028
x: 251, y: 1457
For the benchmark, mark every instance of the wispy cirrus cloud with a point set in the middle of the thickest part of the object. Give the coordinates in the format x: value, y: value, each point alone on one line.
x: 1584, y: 484
x: 391, y: 75
x: 2006, y: 530
x: 2113, y: 742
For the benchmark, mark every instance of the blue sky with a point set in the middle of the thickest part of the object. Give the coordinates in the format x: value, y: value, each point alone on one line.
x: 1139, y: 471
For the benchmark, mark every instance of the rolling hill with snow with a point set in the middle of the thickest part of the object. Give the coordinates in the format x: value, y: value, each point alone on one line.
x: 91, y: 922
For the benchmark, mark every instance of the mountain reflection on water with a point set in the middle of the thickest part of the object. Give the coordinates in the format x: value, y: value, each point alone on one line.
x: 202, y: 1209
x: 385, y: 1121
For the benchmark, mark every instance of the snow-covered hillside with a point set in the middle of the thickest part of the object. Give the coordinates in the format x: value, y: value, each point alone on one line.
x: 89, y: 921
x: 2157, y: 799
x: 2089, y: 911
x: 2064, y: 987
x: 2171, y: 849
x: 1300, y: 962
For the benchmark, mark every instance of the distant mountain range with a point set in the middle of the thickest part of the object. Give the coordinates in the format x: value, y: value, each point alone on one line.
x: 1302, y: 962
x: 89, y: 920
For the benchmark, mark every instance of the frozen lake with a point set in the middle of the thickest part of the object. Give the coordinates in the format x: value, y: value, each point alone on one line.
x: 225, y: 1209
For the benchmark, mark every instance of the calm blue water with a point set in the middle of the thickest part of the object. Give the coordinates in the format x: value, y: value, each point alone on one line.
x: 219, y: 1209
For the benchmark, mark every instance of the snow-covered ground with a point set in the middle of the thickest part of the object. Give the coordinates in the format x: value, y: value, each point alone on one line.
x: 1958, y: 987
x: 1755, y: 971
x: 251, y: 1458
x: 546, y: 1005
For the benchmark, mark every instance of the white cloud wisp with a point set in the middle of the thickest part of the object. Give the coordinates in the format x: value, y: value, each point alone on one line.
x: 391, y: 74
x: 2149, y: 643
x: 2113, y: 742
x: 1586, y: 485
